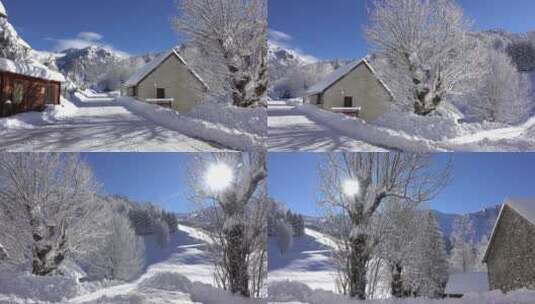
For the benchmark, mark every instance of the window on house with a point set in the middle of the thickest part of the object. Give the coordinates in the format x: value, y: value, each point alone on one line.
x: 160, y: 93
x: 348, y: 102
x: 18, y: 93
x: 50, y: 94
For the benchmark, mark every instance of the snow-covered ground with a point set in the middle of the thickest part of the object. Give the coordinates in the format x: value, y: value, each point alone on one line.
x: 180, y: 273
x: 308, y: 128
x: 185, y: 255
x: 307, y: 261
x: 291, y: 130
x: 91, y: 124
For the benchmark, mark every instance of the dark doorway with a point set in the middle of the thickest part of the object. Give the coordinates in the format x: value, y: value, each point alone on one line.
x: 160, y: 93
x: 348, y: 102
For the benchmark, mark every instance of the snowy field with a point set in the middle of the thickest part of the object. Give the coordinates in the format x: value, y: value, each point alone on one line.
x: 297, y: 127
x: 93, y: 124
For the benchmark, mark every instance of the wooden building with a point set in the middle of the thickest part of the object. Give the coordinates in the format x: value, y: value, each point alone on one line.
x: 27, y: 87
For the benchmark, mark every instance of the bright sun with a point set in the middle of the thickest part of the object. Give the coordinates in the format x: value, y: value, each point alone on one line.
x: 219, y: 177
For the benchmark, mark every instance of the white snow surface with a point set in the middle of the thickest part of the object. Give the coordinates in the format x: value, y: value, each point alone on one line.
x: 305, y: 127
x: 31, y: 69
x: 296, y: 293
x: 2, y: 9
x: 152, y: 65
x: 307, y: 261
x: 469, y: 282
x: 290, y: 129
x: 93, y: 124
x: 215, y: 132
x: 524, y: 207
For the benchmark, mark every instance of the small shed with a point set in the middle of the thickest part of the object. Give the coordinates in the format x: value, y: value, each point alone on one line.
x: 510, y: 255
x: 352, y: 89
x: 168, y: 81
x: 27, y: 86
x: 460, y: 284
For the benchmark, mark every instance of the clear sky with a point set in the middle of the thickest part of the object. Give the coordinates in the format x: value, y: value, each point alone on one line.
x: 478, y: 180
x: 334, y: 28
x: 159, y: 178
x: 131, y: 26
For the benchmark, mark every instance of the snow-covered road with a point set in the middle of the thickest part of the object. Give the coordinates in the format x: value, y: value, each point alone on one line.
x: 290, y: 130
x: 99, y: 124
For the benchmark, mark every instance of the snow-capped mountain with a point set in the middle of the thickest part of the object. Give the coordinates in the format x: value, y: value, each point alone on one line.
x: 281, y: 60
x: 483, y: 222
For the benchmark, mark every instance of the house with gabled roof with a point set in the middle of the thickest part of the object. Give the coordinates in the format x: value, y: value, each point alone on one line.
x: 510, y: 256
x: 168, y: 81
x: 352, y: 89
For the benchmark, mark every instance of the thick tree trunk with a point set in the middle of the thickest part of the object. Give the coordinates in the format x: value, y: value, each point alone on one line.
x: 48, y: 249
x: 397, y: 282
x: 236, y: 255
x: 359, y: 258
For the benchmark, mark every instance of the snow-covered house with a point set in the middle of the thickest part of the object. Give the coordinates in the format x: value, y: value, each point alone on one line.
x: 27, y: 86
x: 510, y: 256
x: 352, y: 89
x: 460, y: 284
x: 168, y: 81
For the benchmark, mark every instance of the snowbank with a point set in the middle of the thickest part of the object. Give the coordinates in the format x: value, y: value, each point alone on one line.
x: 247, y: 120
x: 375, y: 135
x: 429, y: 127
x: 291, y: 292
x: 42, y: 288
x: 197, y: 128
x: 30, y: 120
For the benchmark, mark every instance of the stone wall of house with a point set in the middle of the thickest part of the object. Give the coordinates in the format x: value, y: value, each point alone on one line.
x: 511, y: 259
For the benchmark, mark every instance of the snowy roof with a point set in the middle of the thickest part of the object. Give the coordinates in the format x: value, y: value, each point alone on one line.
x: 148, y: 68
x: 524, y: 207
x: 31, y: 69
x: 462, y: 283
x: 340, y: 73
x: 3, y: 11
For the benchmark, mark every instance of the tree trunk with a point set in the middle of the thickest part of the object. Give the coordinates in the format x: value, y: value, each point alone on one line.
x: 359, y: 258
x: 48, y: 250
x: 236, y: 255
x: 397, y: 282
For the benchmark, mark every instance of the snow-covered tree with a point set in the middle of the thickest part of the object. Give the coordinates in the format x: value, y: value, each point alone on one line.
x: 42, y: 198
x: 355, y: 185
x: 505, y: 93
x: 125, y: 252
x: 231, y: 36
x: 162, y: 234
x: 430, y: 54
x: 234, y: 186
x: 428, y: 267
x: 522, y: 54
x: 11, y: 45
x: 401, y: 231
x: 463, y: 254
x: 284, y: 233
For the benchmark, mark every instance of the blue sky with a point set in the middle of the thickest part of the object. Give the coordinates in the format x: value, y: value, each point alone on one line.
x: 159, y: 178
x: 131, y: 26
x: 478, y: 180
x: 333, y: 29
